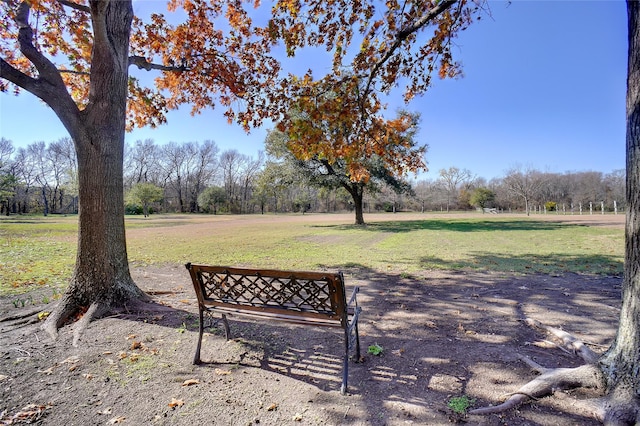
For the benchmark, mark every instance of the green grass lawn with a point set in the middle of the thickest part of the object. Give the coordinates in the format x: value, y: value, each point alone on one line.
x: 37, y: 251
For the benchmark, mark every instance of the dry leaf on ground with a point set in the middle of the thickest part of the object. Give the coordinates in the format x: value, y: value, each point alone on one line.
x: 176, y: 403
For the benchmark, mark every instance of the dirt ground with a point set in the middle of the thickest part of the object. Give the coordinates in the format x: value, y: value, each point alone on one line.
x: 443, y: 334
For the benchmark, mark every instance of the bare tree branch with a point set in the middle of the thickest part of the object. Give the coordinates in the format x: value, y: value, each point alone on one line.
x: 74, y: 72
x: 75, y: 6
x: 402, y: 36
x: 142, y: 63
x: 45, y: 67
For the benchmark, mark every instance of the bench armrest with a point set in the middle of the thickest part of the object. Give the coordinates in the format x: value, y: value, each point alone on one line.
x: 353, y: 297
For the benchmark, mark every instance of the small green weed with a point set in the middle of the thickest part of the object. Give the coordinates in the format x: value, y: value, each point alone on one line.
x: 182, y: 328
x: 460, y: 404
x: 140, y: 366
x: 112, y: 375
x: 21, y: 303
x: 375, y: 350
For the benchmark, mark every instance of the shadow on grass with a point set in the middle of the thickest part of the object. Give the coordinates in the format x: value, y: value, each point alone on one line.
x: 530, y: 263
x: 455, y: 225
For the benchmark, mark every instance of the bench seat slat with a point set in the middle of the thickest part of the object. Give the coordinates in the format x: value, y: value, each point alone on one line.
x: 277, y: 316
x: 272, y: 311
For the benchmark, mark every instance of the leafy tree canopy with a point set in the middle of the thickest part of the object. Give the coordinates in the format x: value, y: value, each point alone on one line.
x: 144, y: 194
x: 221, y: 54
x: 482, y: 197
x: 334, y: 125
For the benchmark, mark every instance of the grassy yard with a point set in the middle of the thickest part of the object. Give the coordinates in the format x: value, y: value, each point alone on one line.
x: 37, y: 251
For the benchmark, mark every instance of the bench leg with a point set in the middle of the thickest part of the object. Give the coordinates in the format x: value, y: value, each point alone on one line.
x: 227, y: 333
x: 347, y: 348
x: 196, y: 358
x: 357, y: 344
x: 345, y: 375
x: 345, y: 364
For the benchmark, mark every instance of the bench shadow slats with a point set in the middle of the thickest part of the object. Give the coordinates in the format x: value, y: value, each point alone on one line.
x: 299, y: 297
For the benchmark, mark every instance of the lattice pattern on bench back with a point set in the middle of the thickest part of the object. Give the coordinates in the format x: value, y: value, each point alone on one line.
x: 303, y: 292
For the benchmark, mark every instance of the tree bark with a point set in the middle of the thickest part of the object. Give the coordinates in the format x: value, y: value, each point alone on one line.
x: 357, y: 194
x: 621, y: 363
x: 101, y: 279
x: 359, y: 212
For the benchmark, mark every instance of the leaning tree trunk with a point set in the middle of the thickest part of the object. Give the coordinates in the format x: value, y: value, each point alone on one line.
x: 621, y: 363
x: 101, y: 279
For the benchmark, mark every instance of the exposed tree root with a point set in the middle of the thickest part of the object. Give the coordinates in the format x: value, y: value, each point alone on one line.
x: 552, y: 380
x: 620, y: 407
x: 60, y: 314
x: 70, y: 311
x: 95, y: 311
x: 21, y: 315
x: 66, y: 310
x: 547, y: 383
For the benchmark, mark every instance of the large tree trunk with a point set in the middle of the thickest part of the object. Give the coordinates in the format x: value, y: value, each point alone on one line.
x: 621, y: 363
x: 359, y: 211
x: 101, y: 279
x: 357, y: 194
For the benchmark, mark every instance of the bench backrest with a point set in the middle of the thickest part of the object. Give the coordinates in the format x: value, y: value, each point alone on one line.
x: 306, y: 294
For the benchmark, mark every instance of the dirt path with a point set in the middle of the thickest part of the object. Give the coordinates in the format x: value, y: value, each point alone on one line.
x: 444, y: 335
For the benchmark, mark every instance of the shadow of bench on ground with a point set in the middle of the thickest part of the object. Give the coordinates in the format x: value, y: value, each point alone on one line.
x: 312, y: 356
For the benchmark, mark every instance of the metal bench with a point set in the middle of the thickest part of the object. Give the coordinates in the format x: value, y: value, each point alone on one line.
x: 306, y: 298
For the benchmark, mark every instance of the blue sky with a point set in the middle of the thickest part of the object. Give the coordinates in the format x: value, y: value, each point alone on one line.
x: 544, y: 87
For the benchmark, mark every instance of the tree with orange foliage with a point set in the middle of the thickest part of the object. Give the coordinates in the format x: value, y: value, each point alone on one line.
x: 75, y: 56
x: 335, y: 144
x: 335, y: 125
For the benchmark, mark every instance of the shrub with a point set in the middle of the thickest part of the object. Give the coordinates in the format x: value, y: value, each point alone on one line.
x: 132, y: 209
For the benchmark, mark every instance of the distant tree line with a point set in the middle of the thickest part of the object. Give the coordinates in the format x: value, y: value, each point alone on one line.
x: 197, y: 177
x: 522, y: 190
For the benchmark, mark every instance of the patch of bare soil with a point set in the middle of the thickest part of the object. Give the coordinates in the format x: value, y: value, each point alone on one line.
x: 443, y: 334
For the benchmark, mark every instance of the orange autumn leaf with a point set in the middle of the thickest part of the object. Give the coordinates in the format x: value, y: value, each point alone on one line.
x: 176, y: 403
